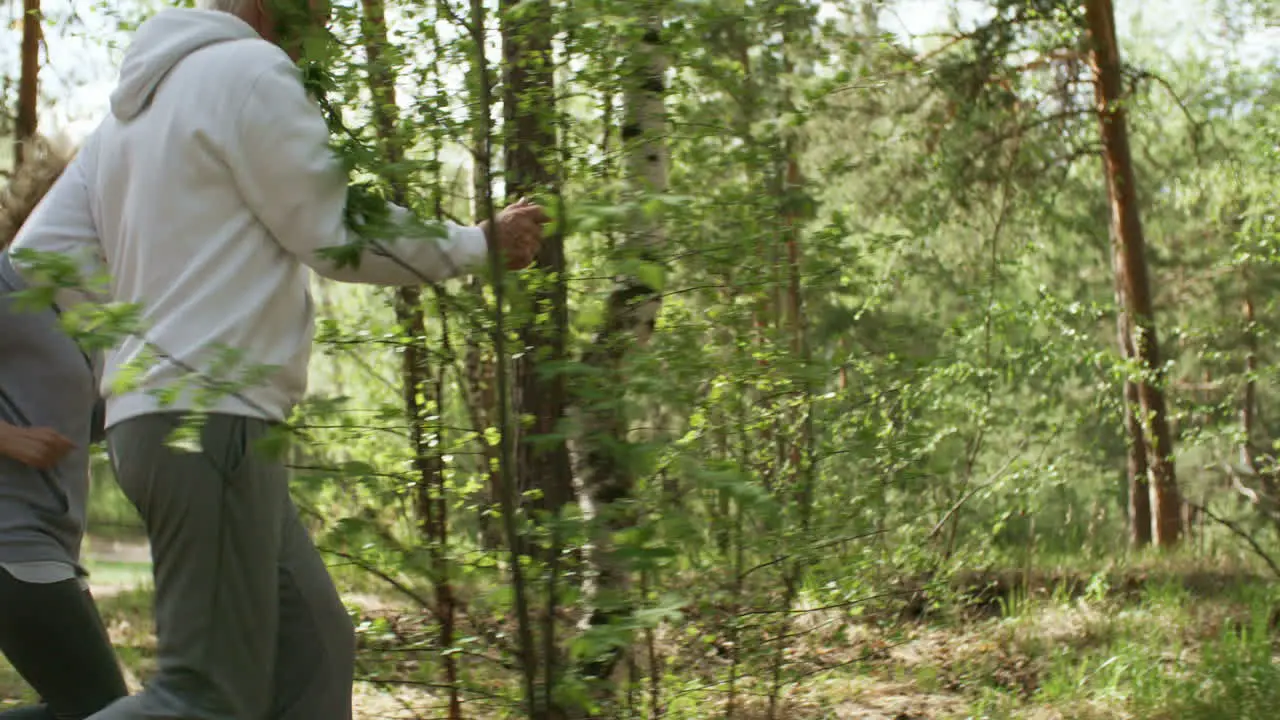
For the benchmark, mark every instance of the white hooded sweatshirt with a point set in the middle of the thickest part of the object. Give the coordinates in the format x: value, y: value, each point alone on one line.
x: 205, y: 195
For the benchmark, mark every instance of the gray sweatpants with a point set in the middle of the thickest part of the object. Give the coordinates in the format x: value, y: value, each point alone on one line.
x: 249, y: 625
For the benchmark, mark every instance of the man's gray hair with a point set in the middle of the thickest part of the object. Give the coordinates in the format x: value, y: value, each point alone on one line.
x: 235, y: 7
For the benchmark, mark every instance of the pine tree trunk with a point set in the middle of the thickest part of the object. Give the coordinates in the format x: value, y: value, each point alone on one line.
x: 799, y: 445
x: 1249, y: 400
x: 1139, y: 486
x: 800, y: 435
x: 600, y: 465
x: 1261, y: 490
x: 1135, y: 437
x: 29, y: 83
x: 1127, y: 226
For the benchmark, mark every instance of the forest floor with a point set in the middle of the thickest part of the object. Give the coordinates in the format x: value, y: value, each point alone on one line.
x: 1164, y: 642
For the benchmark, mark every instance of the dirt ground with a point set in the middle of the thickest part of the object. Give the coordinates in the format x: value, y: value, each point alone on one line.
x: 929, y: 670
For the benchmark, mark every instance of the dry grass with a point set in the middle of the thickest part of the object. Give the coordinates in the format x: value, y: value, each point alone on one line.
x: 1042, y: 657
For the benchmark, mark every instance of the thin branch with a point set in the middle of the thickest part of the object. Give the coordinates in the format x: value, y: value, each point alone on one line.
x: 1240, y: 533
x: 368, y: 567
x: 1196, y: 125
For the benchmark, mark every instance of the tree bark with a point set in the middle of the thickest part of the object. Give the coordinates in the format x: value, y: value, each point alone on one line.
x: 1249, y: 399
x: 604, y: 472
x: 529, y: 132
x: 1127, y: 228
x: 1262, y: 491
x: 417, y: 385
x: 1135, y: 437
x: 508, y: 497
x: 530, y: 147
x: 800, y: 445
x: 800, y: 436
x: 482, y: 402
x: 29, y: 83
x: 482, y: 367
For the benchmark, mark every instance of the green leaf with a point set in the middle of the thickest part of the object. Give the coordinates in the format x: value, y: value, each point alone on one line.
x: 356, y: 468
x: 652, y: 275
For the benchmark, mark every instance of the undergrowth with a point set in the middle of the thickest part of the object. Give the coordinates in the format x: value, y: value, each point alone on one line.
x: 1169, y: 641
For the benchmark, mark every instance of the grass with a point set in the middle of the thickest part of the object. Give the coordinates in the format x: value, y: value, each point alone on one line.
x: 118, y: 574
x: 1168, y: 642
x: 1172, y: 648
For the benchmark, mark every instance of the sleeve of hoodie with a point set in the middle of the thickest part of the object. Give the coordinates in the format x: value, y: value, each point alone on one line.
x: 62, y: 223
x: 296, y: 186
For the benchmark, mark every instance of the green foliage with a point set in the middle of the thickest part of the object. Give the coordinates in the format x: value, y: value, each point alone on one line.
x: 886, y: 352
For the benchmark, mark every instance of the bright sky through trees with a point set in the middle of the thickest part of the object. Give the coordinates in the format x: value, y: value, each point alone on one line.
x: 86, y: 42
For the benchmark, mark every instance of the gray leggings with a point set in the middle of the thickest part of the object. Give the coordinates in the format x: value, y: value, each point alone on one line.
x: 249, y: 625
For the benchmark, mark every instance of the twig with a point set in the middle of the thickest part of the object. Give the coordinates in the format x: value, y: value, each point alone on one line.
x: 815, y: 546
x: 1196, y: 125
x: 976, y: 489
x: 407, y: 591
x: 1239, y: 532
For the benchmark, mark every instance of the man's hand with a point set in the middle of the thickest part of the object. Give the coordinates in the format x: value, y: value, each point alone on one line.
x: 519, y: 232
x: 40, y: 447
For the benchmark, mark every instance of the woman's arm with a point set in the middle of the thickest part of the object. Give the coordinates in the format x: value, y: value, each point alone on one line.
x: 40, y: 447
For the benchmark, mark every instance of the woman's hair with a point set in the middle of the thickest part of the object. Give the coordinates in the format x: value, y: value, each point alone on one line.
x: 235, y: 7
x: 44, y: 163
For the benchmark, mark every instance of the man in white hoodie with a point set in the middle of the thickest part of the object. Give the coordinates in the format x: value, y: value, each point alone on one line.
x: 206, y: 195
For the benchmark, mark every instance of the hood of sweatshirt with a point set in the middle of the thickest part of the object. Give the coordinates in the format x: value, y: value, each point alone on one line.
x: 161, y: 43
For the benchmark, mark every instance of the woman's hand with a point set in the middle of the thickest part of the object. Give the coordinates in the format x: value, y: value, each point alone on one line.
x: 40, y: 447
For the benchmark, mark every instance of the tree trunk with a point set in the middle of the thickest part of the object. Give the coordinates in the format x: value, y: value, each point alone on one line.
x: 1261, y: 490
x: 508, y: 494
x: 798, y: 458
x: 1127, y: 227
x: 601, y: 466
x: 800, y: 435
x: 482, y: 402
x: 1135, y: 438
x: 29, y: 83
x: 1249, y: 400
x: 530, y: 139
x: 417, y: 385
x: 529, y: 131
x: 482, y: 367
x: 1140, y: 524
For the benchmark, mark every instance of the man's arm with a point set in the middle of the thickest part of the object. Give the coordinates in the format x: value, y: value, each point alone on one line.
x: 62, y: 224
x: 297, y: 187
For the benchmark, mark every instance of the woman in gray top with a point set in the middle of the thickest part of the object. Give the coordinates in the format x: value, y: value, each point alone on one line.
x: 50, y: 630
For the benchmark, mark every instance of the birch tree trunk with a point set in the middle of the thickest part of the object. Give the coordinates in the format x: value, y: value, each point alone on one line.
x: 1126, y: 225
x: 601, y: 466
